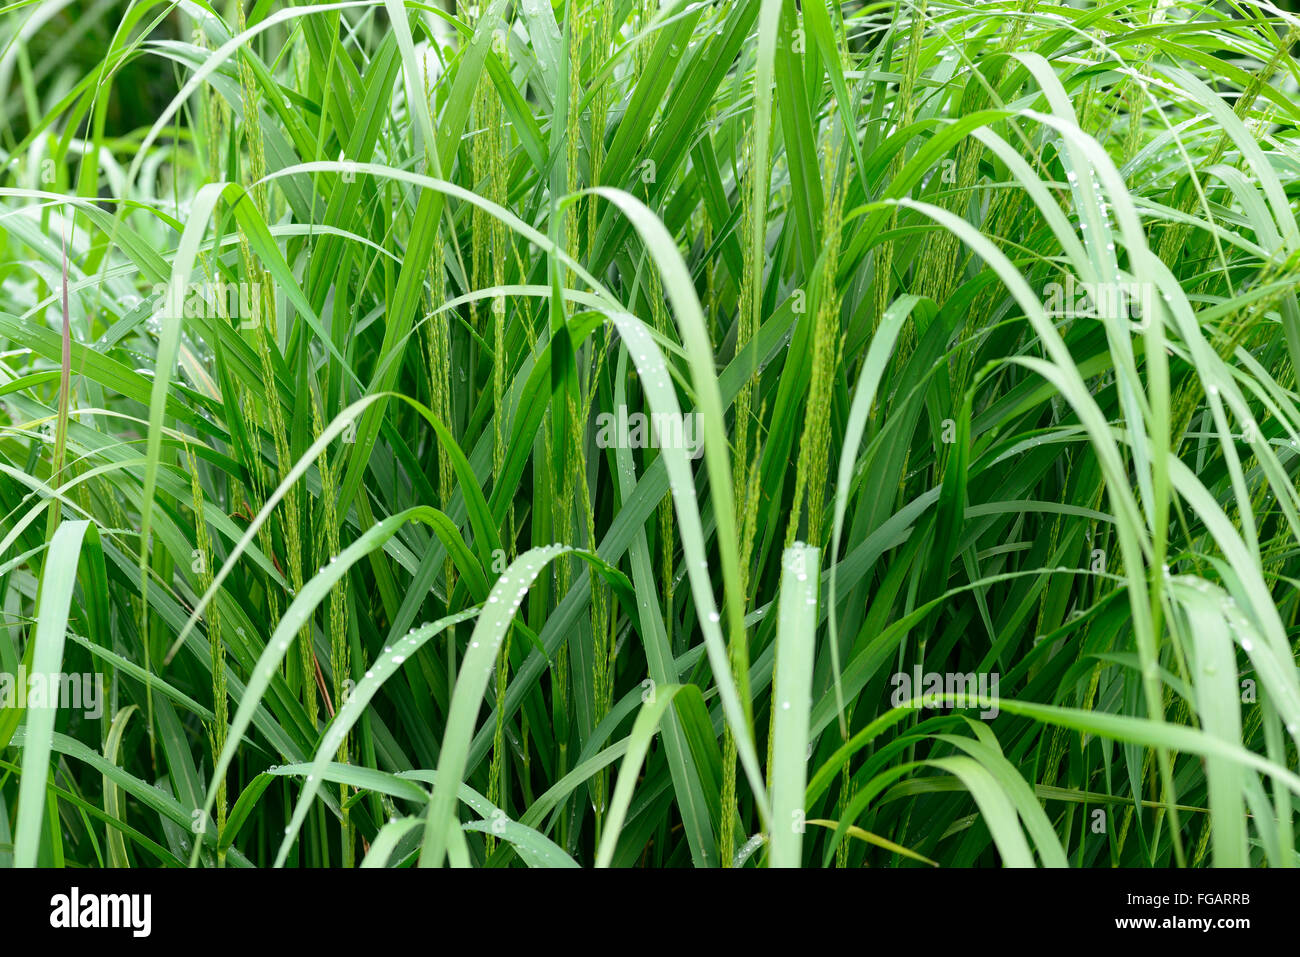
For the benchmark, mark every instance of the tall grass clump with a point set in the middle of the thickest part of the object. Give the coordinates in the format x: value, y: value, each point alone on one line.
x: 650, y: 434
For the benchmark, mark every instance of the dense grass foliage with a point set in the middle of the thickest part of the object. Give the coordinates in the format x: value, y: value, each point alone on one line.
x: 759, y: 433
